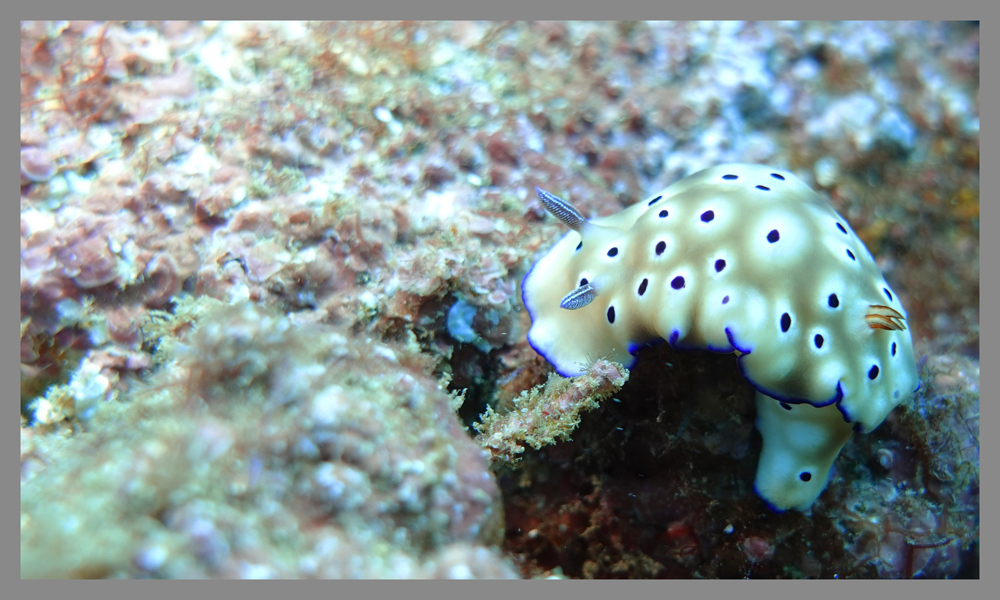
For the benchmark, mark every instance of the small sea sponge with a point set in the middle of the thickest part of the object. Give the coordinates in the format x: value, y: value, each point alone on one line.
x: 744, y: 259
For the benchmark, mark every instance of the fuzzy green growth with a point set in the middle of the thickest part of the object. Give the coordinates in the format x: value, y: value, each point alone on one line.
x: 548, y: 413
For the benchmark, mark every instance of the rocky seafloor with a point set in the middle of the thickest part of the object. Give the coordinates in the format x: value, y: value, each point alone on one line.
x: 270, y: 280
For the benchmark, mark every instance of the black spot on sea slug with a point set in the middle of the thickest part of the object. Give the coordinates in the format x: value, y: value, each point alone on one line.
x: 707, y: 216
x: 833, y: 301
x: 660, y: 247
x: 777, y: 176
x: 786, y: 406
x: 873, y: 372
x: 730, y: 177
x: 818, y: 340
x: 841, y: 228
x: 773, y: 236
x: 654, y: 201
x: 894, y: 348
x: 580, y: 245
x: 805, y: 476
x: 611, y: 314
x: 663, y: 213
x: 720, y: 265
x: 613, y: 252
x: 851, y: 254
x: 765, y: 188
x: 887, y: 293
x: 584, y: 281
x: 677, y: 283
x: 642, y: 286
x: 786, y: 322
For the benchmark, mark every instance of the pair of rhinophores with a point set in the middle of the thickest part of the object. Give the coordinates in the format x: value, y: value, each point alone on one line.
x: 744, y: 259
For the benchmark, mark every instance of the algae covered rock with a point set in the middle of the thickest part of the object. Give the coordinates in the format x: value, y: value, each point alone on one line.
x: 264, y: 447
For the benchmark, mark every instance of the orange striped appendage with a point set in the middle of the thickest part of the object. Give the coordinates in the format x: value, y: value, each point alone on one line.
x: 883, y: 317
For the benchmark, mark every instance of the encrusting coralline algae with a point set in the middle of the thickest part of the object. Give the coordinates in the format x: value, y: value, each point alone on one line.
x: 265, y: 446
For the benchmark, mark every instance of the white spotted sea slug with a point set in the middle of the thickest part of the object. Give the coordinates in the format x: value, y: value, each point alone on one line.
x: 741, y: 259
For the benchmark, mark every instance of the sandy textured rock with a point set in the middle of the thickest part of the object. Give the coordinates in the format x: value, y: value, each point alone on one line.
x: 263, y: 448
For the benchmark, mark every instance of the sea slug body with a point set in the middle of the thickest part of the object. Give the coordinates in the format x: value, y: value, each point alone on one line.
x: 744, y: 259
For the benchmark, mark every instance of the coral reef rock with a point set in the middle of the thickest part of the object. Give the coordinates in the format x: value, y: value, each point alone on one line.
x: 265, y: 448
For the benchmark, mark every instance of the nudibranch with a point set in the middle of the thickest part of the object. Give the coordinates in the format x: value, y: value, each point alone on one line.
x: 742, y: 259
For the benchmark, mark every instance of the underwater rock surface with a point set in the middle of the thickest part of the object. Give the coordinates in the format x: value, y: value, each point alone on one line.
x: 265, y: 447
